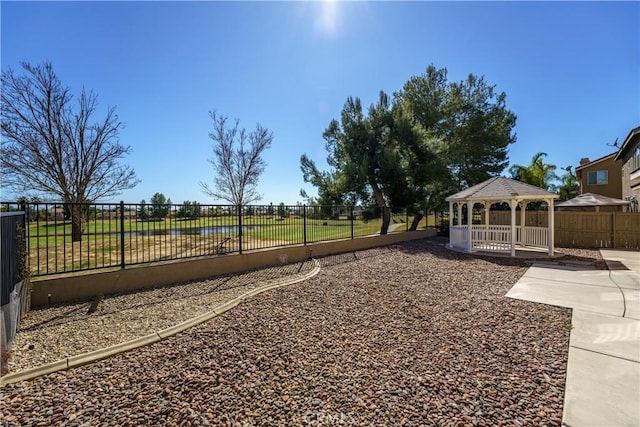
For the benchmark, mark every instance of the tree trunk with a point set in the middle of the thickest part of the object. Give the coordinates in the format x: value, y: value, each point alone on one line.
x: 386, y: 220
x: 386, y: 213
x: 77, y: 222
x: 416, y: 221
x: 418, y: 217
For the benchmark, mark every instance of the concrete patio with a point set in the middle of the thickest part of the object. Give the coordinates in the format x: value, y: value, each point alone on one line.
x: 603, y: 372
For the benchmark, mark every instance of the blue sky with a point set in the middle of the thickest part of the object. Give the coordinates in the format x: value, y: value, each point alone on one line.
x: 570, y: 70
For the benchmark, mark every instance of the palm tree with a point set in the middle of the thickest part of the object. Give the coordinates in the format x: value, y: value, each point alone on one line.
x: 537, y: 173
x: 569, y: 186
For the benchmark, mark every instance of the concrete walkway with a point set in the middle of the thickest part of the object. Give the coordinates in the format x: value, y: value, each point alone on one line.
x: 603, y: 370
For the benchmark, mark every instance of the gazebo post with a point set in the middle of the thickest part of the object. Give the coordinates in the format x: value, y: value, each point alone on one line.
x: 459, y: 206
x: 487, y: 208
x: 469, y: 224
x: 523, y: 209
x: 451, y: 232
x: 513, y: 203
x: 550, y: 226
x: 485, y: 233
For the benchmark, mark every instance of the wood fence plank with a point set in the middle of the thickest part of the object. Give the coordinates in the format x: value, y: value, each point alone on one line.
x: 584, y: 229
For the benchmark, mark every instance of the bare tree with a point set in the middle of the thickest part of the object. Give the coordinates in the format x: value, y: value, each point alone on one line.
x: 237, y: 161
x: 49, y: 144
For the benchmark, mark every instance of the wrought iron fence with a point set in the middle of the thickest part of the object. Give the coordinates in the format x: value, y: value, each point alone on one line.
x: 65, y: 238
x: 14, y: 281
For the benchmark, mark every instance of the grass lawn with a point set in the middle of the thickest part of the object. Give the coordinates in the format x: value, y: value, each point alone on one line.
x: 51, y: 249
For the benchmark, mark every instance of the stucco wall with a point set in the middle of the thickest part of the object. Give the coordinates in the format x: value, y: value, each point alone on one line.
x: 62, y: 289
x: 630, y: 187
x: 613, y: 188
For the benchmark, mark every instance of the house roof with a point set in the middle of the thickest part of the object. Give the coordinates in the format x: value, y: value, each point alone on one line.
x: 591, y: 199
x: 628, y: 142
x: 500, y: 188
x: 592, y: 162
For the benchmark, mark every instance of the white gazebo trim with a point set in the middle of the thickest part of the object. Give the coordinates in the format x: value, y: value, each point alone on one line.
x: 500, y: 238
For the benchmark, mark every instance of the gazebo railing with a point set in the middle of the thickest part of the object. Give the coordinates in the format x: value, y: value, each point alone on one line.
x: 497, y: 237
x: 491, y: 237
x: 458, y: 236
x: 532, y: 236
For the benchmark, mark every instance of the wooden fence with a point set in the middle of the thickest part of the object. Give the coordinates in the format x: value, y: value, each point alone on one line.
x: 619, y: 230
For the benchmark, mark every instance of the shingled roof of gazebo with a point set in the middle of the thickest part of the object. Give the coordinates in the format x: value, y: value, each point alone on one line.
x: 590, y: 199
x: 500, y: 188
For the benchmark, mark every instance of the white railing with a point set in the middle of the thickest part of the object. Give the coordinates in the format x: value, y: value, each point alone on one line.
x: 458, y: 237
x: 497, y: 237
x: 491, y: 237
x: 532, y: 236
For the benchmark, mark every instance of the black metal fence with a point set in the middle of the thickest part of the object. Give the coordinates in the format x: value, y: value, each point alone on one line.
x: 73, y: 237
x: 14, y: 276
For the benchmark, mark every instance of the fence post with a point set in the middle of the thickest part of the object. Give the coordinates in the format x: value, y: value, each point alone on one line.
x: 304, y: 223
x: 240, y: 228
x: 351, y: 216
x: 613, y: 230
x: 122, y: 262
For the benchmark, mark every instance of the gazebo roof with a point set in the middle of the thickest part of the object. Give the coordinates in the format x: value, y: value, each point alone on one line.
x: 591, y: 199
x: 500, y: 188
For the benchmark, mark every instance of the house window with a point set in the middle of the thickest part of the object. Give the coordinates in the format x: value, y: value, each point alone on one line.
x: 635, y: 161
x: 598, y: 178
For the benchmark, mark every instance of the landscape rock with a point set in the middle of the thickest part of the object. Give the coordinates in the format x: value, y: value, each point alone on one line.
x: 411, y: 334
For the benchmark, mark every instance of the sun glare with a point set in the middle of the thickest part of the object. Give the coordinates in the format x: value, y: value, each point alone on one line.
x: 328, y: 20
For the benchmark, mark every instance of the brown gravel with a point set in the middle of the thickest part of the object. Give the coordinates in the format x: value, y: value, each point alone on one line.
x: 408, y: 335
x: 53, y: 333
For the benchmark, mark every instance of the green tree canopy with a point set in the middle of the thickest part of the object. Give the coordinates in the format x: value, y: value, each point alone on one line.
x: 189, y: 210
x: 466, y: 123
x: 160, y: 206
x: 143, y: 211
x: 433, y: 139
x: 379, y: 156
x: 282, y: 210
x: 329, y: 184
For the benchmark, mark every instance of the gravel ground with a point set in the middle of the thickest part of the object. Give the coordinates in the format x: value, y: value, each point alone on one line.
x: 53, y: 333
x: 408, y: 335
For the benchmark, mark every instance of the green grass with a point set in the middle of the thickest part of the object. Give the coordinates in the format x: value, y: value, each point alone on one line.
x: 271, y: 228
x: 316, y: 230
x: 52, y: 250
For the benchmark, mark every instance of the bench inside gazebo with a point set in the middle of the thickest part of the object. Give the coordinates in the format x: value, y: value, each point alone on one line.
x: 486, y: 237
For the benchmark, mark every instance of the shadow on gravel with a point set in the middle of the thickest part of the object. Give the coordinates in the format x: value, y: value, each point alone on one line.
x: 436, y: 246
x: 58, y: 318
x: 331, y: 260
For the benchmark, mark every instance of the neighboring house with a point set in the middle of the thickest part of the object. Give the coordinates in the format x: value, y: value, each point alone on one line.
x: 130, y: 214
x: 601, y: 176
x: 57, y: 214
x: 106, y: 215
x: 115, y: 214
x: 629, y: 155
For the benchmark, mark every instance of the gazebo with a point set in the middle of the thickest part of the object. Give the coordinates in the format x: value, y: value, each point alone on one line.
x: 589, y: 202
x: 499, y: 238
